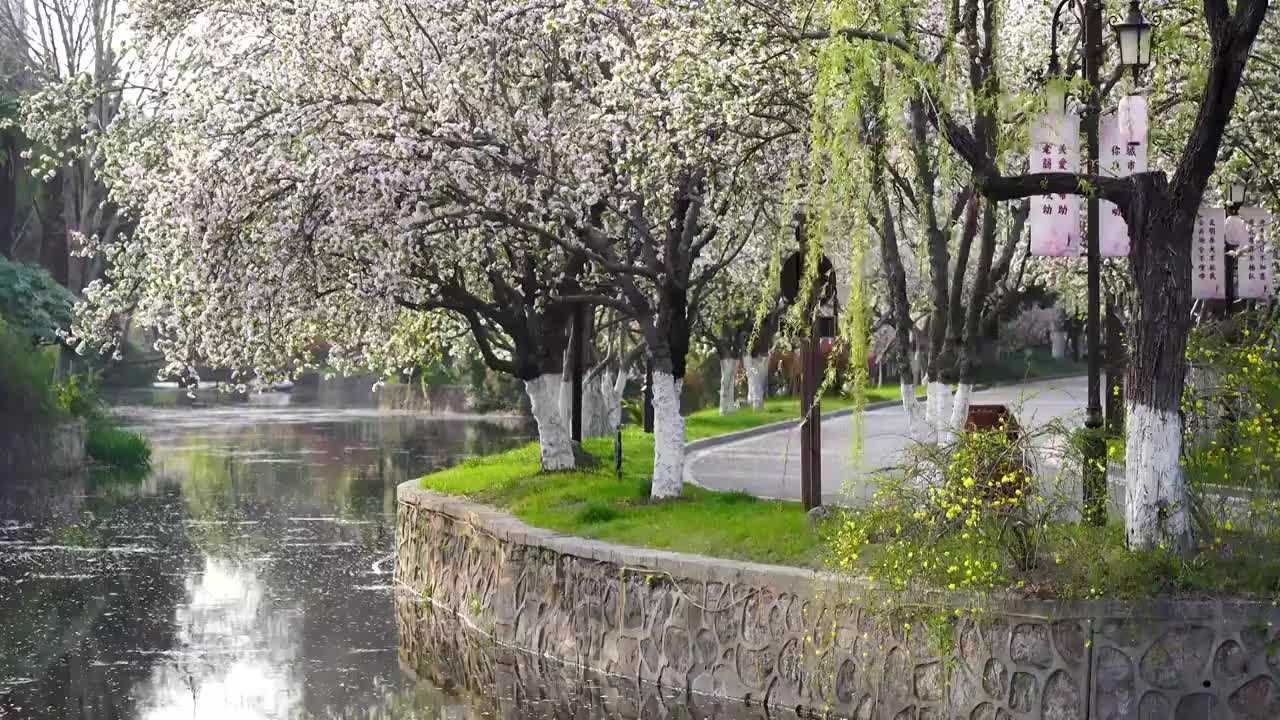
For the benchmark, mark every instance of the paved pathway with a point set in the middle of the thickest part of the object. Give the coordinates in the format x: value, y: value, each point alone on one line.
x: 769, y: 465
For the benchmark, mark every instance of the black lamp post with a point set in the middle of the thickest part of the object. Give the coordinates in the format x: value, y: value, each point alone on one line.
x: 1134, y: 38
x: 1235, y: 193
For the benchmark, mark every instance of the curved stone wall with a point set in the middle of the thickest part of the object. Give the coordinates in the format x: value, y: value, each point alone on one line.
x: 805, y: 641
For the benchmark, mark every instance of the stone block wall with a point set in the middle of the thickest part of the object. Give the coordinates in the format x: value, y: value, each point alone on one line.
x: 809, y: 642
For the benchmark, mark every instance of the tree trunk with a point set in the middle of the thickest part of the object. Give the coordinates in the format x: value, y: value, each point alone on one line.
x: 757, y: 381
x: 900, y: 305
x: 669, y: 437
x: 553, y: 428
x: 9, y: 168
x: 1058, y: 344
x: 728, y: 375
x: 613, y: 395
x: 53, y: 230
x: 940, y: 404
x: 1156, y: 498
x: 973, y: 320
x: 598, y: 404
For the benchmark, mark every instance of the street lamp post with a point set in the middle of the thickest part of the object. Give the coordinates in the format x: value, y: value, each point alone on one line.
x: 1235, y: 199
x: 1134, y: 37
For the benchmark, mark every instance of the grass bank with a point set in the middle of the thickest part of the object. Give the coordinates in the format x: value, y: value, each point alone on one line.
x: 594, y: 503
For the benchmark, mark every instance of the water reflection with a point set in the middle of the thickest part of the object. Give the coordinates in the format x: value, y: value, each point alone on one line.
x: 246, y: 577
x: 465, y: 676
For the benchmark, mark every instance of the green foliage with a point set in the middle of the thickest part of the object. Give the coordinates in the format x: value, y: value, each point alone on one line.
x: 26, y: 377
x: 1232, y: 405
x: 492, y: 391
x: 33, y: 302
x: 116, y: 449
x: 77, y: 396
x: 597, y: 513
x: 967, y: 518
x: 1093, y: 562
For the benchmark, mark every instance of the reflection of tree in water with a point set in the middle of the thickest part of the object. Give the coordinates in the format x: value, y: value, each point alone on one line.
x: 79, y: 626
x: 250, y: 588
x: 305, y: 510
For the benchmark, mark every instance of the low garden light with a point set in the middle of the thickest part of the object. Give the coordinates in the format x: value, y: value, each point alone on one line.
x: 1134, y: 35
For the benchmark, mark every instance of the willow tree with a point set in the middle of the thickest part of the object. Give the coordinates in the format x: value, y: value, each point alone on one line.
x: 1160, y: 209
x: 875, y: 149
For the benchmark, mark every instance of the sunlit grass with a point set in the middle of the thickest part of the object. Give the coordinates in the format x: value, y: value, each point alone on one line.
x: 595, y: 503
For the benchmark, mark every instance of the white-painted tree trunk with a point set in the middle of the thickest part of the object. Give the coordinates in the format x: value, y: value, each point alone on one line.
x: 553, y: 429
x: 564, y: 401
x: 595, y: 405
x: 728, y: 374
x: 613, y: 394
x: 940, y: 422
x: 960, y: 407
x: 757, y: 381
x: 1058, y: 339
x: 1156, y: 498
x: 668, y: 436
x: 912, y: 409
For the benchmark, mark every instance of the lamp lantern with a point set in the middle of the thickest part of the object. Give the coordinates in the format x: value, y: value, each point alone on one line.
x: 1134, y: 35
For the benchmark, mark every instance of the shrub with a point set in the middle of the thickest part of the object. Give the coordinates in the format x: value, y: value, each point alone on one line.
x: 34, y: 303
x: 963, y: 517
x: 26, y: 377
x: 77, y: 396
x: 117, y: 449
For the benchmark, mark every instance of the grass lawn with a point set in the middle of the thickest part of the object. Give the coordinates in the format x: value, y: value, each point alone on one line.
x: 594, y: 503
x: 709, y: 423
x: 1017, y: 366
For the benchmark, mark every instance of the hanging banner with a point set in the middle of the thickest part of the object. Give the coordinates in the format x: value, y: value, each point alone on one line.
x: 1055, y: 219
x: 1123, y: 152
x: 1255, y: 271
x: 1208, y: 264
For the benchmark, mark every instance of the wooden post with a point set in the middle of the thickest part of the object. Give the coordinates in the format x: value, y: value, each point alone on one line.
x: 813, y: 426
x: 806, y: 423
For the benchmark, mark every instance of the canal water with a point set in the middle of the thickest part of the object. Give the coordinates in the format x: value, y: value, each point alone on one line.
x: 249, y: 576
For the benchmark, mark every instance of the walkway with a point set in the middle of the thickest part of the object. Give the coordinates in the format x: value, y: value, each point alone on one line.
x: 769, y: 465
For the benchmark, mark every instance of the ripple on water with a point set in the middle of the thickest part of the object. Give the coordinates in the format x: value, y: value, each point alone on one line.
x: 248, y: 575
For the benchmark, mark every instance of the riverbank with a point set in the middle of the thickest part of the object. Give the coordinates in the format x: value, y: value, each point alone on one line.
x: 594, y: 503
x: 818, y: 642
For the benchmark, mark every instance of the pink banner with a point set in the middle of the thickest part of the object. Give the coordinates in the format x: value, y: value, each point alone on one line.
x: 1255, y: 266
x: 1055, y: 219
x: 1123, y: 153
x: 1208, y: 264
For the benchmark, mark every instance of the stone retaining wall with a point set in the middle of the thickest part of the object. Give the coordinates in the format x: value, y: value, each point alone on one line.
x: 36, y: 448
x: 806, y: 641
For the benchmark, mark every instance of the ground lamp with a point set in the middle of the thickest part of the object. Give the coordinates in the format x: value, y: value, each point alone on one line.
x: 1133, y: 36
